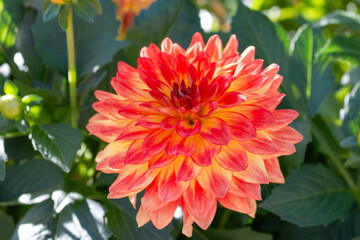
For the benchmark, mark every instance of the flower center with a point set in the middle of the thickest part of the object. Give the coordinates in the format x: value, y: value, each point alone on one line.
x: 186, y: 97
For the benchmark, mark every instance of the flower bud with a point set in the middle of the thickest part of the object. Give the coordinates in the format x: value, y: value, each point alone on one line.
x: 10, y: 106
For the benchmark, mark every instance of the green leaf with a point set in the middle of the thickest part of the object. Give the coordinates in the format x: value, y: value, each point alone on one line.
x: 349, y: 142
x: 177, y: 19
x: 311, y: 72
x: 10, y: 88
x: 7, y: 27
x: 80, y: 220
x: 353, y: 161
x: 3, y: 159
x: 121, y: 221
x: 341, y: 229
x: 50, y: 10
x: 245, y: 233
x: 12, y: 149
x: 50, y: 42
x: 7, y: 226
x: 350, y: 114
x: 24, y: 183
x: 31, y: 99
x: 95, y: 6
x: 343, y: 18
x: 311, y: 196
x: 22, y: 125
x: 63, y: 16
x: 83, y: 10
x: 57, y: 143
x: 345, y: 48
x: 254, y: 29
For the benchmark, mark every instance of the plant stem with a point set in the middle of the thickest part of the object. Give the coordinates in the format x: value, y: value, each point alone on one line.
x: 72, y: 69
x: 335, y: 158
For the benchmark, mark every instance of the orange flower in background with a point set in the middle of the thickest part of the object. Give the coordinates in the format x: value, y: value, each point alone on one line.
x: 194, y: 128
x: 126, y: 12
x: 60, y: 2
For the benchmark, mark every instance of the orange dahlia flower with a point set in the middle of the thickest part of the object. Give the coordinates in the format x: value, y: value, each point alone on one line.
x: 193, y: 127
x: 126, y: 12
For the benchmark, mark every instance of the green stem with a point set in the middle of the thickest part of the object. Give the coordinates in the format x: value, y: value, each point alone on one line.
x: 335, y: 159
x: 224, y: 218
x: 72, y: 69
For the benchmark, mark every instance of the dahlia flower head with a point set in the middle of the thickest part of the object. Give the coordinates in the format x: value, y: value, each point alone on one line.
x: 194, y: 128
x: 126, y: 12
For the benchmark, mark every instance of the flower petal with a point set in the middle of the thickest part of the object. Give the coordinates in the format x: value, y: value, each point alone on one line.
x: 231, y: 46
x: 260, y: 117
x: 283, y: 118
x: 187, y: 128
x: 134, y: 154
x: 181, y: 146
x: 215, y: 179
x: 198, y: 201
x: 216, y: 131
x: 239, y: 204
x: 169, y: 189
x: 261, y: 145
x: 163, y: 216
x: 244, y: 189
x: 273, y: 170
x: 231, y: 99
x: 155, y: 142
x: 232, y: 157
x: 241, y: 127
x: 255, y: 172
x: 205, y: 152
x: 186, y: 170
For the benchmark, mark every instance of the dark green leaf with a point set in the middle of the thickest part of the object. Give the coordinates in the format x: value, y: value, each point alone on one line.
x: 50, y: 10
x: 7, y: 226
x: 83, y: 10
x: 25, y: 44
x: 10, y: 88
x: 12, y: 149
x: 312, y: 74
x: 95, y: 43
x: 177, y: 19
x: 22, y: 125
x: 80, y: 220
x: 345, y: 48
x: 311, y: 196
x: 245, y: 233
x: 270, y: 40
x: 341, y: 229
x: 24, y: 183
x: 122, y: 223
x: 15, y: 8
x: 57, y: 143
x: 351, y: 112
x: 95, y: 6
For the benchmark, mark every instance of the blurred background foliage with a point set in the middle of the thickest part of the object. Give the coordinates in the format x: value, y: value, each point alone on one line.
x: 48, y: 184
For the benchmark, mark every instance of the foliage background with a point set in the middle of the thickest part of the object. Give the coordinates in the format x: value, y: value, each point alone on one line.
x: 49, y: 187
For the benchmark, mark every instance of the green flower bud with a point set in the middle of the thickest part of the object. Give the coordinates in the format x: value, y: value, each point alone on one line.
x: 11, y: 106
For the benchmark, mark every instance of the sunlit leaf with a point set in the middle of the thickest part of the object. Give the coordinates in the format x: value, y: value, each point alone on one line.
x: 57, y: 143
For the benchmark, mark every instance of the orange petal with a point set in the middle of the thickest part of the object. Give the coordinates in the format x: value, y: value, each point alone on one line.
x: 155, y: 142
x: 283, y: 118
x: 216, y: 131
x: 169, y: 189
x: 231, y: 99
x: 205, y: 152
x: 273, y: 170
x: 186, y: 128
x: 261, y: 145
x: 241, y: 127
x: 181, y: 146
x: 255, y: 172
x: 239, y: 204
x: 231, y: 46
x: 142, y: 217
x: 151, y: 201
x: 232, y: 157
x: 163, y: 216
x: 260, y: 117
x: 186, y: 170
x: 199, y: 202
x: 134, y: 154
x: 215, y: 179
x: 214, y: 48
x: 104, y: 128
x: 133, y: 132
x: 244, y: 189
